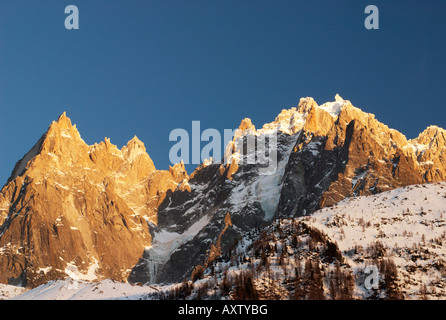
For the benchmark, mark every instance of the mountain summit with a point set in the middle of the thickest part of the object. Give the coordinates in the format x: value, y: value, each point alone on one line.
x: 93, y: 212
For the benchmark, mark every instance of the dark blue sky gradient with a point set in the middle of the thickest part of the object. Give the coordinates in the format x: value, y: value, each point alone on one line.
x: 147, y: 67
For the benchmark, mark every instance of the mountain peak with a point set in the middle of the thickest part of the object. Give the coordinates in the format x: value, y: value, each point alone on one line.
x: 308, y: 113
x: 306, y: 104
x: 246, y: 124
x: 63, y: 121
x: 433, y: 129
x: 61, y: 139
x: 338, y: 98
x: 63, y: 128
x: 62, y: 116
x: 430, y: 134
x: 135, y: 143
x: 178, y: 171
x: 134, y: 148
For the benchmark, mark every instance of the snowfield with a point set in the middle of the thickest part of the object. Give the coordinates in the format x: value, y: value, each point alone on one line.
x: 409, y: 222
x: 84, y: 290
x: 8, y: 291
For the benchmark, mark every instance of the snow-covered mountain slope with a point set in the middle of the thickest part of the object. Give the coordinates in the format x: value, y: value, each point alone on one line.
x: 323, y: 256
x: 408, y: 223
x: 84, y: 290
x: 8, y: 291
x: 393, y: 239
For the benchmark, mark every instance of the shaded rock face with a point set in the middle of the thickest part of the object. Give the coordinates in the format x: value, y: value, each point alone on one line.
x: 94, y: 212
x: 78, y: 210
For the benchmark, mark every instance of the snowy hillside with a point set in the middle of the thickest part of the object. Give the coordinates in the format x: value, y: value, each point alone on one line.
x: 408, y: 223
x: 84, y: 290
x: 8, y: 291
x: 322, y: 256
x: 332, y: 253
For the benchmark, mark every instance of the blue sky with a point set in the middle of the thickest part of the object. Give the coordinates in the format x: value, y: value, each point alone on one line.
x: 147, y: 67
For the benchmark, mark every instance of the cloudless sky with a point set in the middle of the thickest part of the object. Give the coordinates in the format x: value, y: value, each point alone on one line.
x: 147, y: 67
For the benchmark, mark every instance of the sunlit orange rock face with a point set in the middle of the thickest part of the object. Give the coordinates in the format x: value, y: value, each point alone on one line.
x: 70, y: 206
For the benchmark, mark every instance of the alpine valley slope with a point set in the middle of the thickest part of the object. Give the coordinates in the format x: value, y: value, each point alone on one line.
x: 97, y: 212
x: 401, y: 232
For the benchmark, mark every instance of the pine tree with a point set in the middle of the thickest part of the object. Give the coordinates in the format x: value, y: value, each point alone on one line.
x: 244, y: 287
x: 225, y: 285
x: 332, y: 289
x: 316, y: 291
x: 299, y: 292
